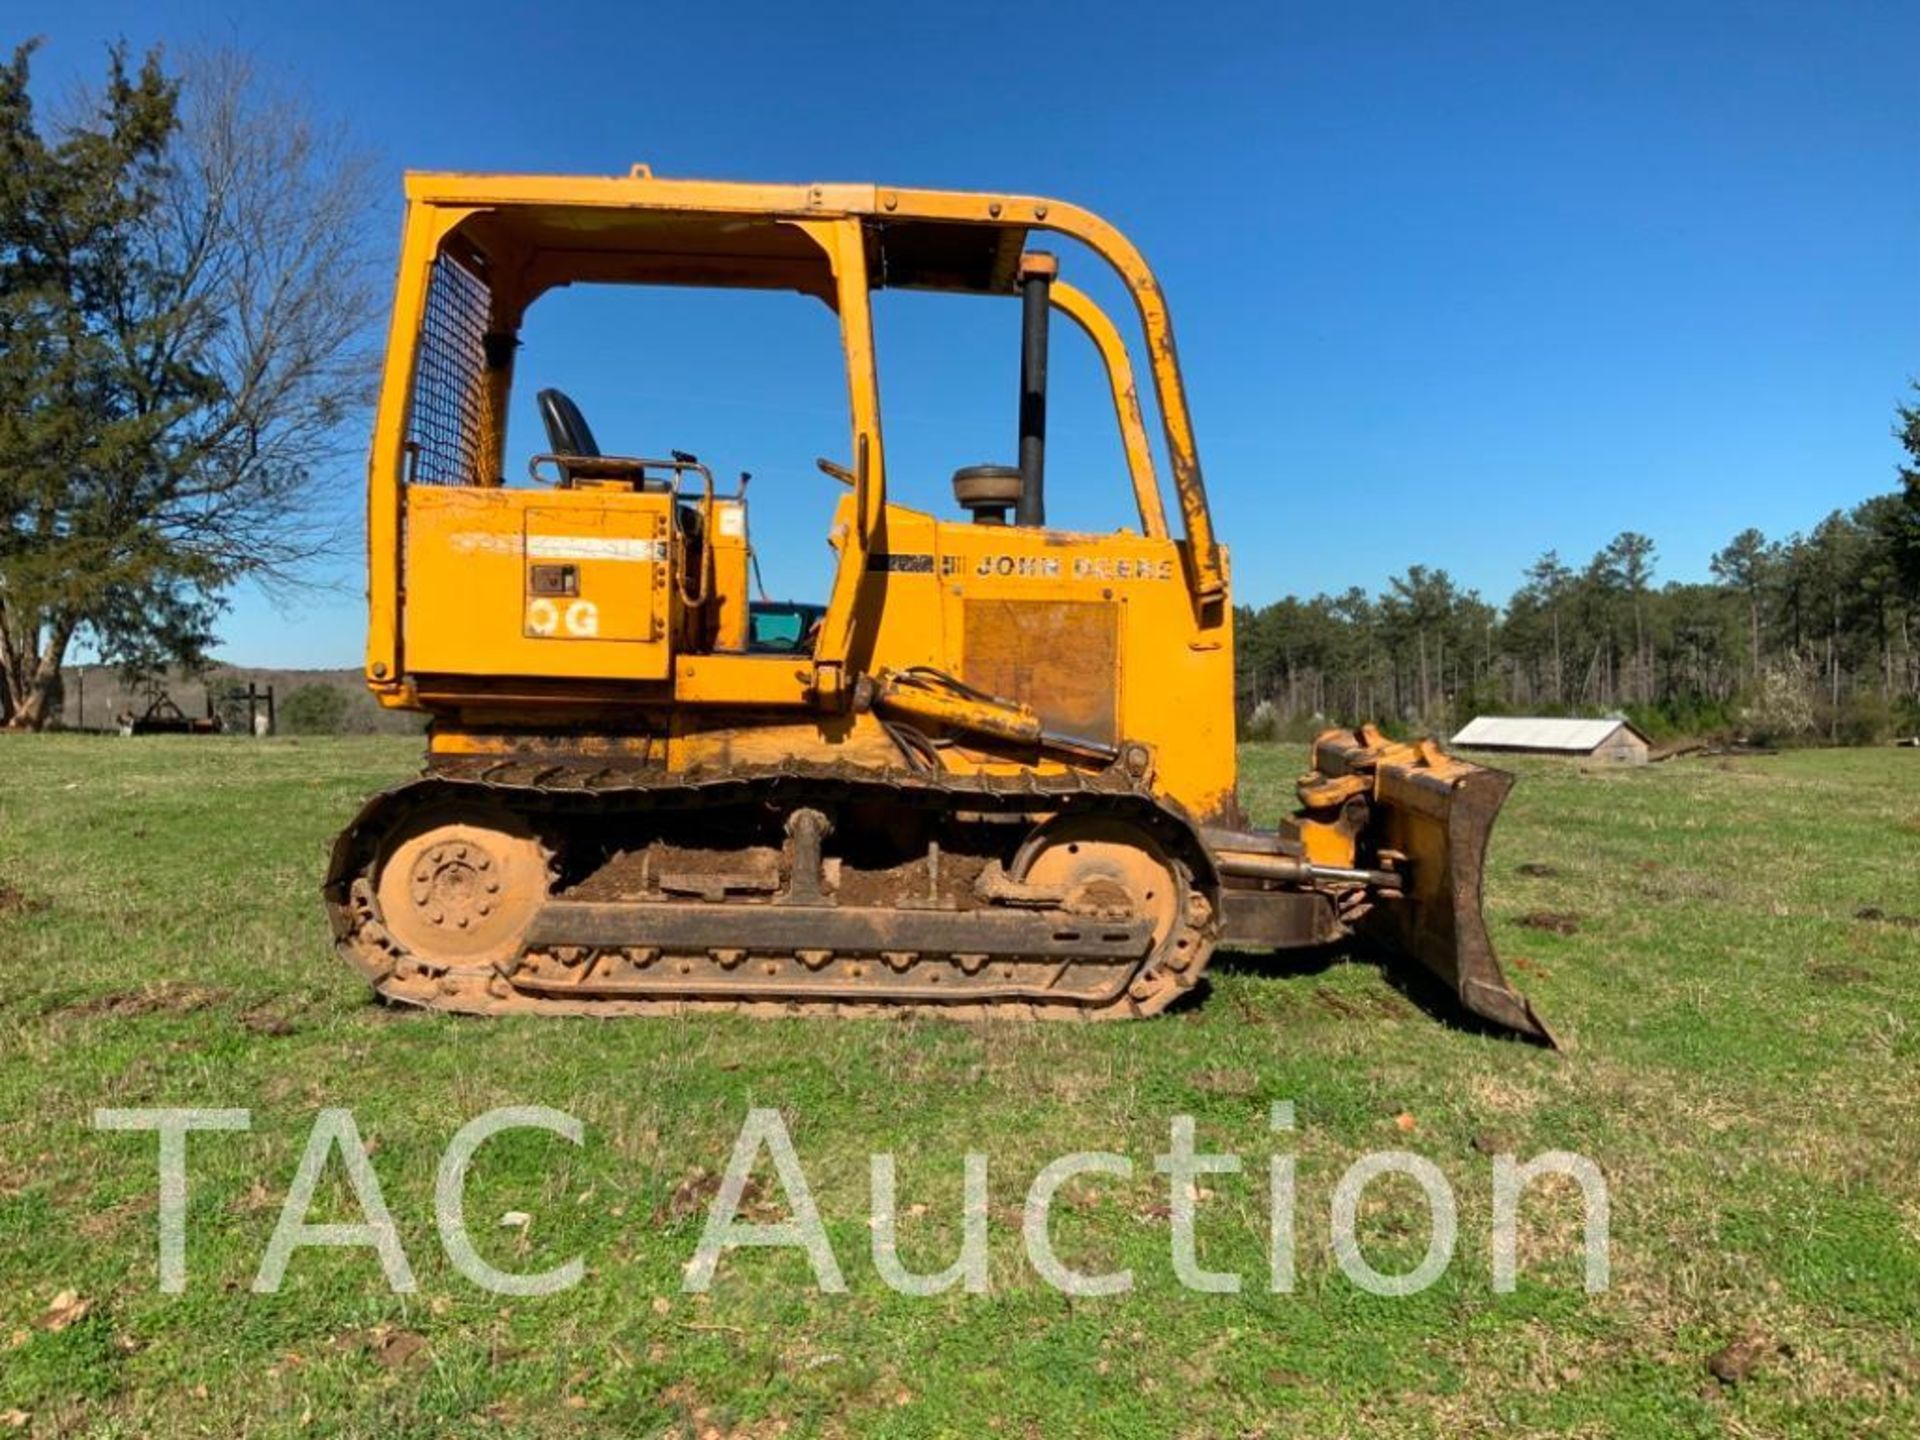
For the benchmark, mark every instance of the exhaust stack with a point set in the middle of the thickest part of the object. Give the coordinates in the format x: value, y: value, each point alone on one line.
x: 1037, y: 272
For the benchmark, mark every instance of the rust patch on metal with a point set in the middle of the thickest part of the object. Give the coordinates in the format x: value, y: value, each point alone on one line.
x: 1059, y: 658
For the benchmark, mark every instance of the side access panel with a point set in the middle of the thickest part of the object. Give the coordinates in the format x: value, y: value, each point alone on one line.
x: 1061, y: 657
x: 572, y: 585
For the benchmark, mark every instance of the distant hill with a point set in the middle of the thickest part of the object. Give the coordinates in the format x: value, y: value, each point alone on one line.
x: 97, y: 695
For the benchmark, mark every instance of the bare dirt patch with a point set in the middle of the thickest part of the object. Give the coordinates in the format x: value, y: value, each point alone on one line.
x: 1361, y: 1007
x: 1664, y: 884
x: 387, y: 1346
x: 1738, y: 1359
x: 1236, y: 1083
x: 1840, y: 974
x: 397, y: 1348
x: 167, y: 998
x: 266, y: 1021
x: 1874, y: 915
x: 104, y: 1223
x: 695, y: 1194
x: 1557, y: 922
x: 14, y: 901
x: 1502, y: 1095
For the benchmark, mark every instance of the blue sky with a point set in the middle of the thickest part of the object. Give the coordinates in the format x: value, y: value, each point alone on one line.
x: 1454, y: 284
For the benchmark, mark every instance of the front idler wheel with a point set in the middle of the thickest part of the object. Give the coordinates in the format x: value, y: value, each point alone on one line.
x: 1103, y: 865
x: 457, y: 889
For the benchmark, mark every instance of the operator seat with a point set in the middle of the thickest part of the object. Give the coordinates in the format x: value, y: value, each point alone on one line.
x: 570, y: 438
x: 568, y: 433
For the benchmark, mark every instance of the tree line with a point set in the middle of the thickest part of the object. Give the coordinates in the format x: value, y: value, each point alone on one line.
x: 1813, y: 636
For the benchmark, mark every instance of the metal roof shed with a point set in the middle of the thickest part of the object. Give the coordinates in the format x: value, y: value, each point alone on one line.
x: 1613, y: 739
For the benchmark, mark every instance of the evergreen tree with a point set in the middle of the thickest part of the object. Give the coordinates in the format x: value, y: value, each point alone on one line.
x: 1747, y: 565
x: 1903, y: 521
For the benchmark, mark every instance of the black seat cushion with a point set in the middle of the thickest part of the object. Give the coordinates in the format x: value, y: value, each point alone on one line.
x: 567, y: 430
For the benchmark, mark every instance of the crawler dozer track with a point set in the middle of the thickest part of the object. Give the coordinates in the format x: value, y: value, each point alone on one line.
x: 493, y: 887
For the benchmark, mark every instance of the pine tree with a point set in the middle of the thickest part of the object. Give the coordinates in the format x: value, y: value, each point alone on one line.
x: 1903, y: 525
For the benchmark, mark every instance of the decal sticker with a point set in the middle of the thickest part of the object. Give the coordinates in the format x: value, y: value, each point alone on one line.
x: 483, y: 542
x: 1100, y: 568
x: 583, y: 619
x: 594, y: 547
x: 897, y: 563
x: 1030, y: 567
x: 1103, y: 568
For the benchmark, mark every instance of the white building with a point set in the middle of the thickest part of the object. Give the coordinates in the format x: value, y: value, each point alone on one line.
x: 1614, y: 739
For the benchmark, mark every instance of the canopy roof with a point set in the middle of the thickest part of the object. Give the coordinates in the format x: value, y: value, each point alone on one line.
x: 701, y: 232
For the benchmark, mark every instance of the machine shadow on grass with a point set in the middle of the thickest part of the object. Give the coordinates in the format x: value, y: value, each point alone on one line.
x: 1421, y: 990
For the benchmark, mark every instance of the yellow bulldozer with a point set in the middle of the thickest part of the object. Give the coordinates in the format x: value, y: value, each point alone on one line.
x: 992, y: 773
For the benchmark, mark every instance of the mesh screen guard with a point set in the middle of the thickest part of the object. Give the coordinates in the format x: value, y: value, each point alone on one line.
x: 449, y: 415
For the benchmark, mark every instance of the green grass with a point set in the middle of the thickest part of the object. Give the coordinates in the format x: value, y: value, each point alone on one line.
x: 1740, y: 1059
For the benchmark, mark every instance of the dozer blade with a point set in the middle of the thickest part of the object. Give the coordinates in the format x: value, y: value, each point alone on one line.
x: 1437, y: 812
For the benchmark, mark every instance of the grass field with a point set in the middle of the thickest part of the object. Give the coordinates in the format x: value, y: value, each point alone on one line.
x: 1740, y: 1059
